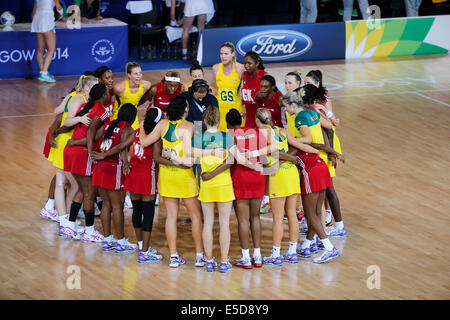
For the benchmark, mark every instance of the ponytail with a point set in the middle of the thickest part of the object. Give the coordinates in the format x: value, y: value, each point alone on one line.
x: 110, y: 129
x: 95, y: 94
x: 127, y: 113
x: 321, y: 94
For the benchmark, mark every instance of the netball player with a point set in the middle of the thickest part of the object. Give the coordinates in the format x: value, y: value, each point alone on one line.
x: 292, y: 81
x: 161, y: 93
x: 196, y: 72
x: 251, y: 78
x: 226, y: 80
x: 78, y: 162
x: 176, y: 183
x: 108, y: 174
x: 130, y: 90
x: 332, y: 205
x: 315, y: 178
x: 71, y: 104
x: 141, y: 182
x: 284, y: 186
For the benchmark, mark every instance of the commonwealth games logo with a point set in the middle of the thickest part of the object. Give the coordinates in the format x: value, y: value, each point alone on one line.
x: 102, y: 51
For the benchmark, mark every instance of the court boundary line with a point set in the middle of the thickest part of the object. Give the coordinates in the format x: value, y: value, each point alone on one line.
x: 432, y: 99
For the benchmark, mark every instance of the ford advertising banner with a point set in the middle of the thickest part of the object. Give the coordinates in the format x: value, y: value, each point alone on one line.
x: 77, y: 50
x: 276, y: 43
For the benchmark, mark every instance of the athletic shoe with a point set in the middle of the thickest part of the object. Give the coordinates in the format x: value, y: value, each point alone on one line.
x: 314, y: 248
x: 265, y: 209
x: 320, y: 245
x: 152, y: 250
x: 94, y: 236
x: 79, y: 228
x: 200, y: 261
x: 257, y: 261
x: 46, y: 214
x: 225, y: 267
x: 334, y: 232
x: 143, y: 257
x: 273, y: 261
x: 329, y: 224
x: 243, y: 263
x: 327, y: 256
x: 126, y: 247
x: 68, y: 232
x: 175, y: 262
x: 291, y: 258
x: 46, y: 77
x: 61, y: 231
x: 109, y: 245
x: 154, y: 257
x: 303, y: 253
x: 300, y: 214
x: 211, y: 265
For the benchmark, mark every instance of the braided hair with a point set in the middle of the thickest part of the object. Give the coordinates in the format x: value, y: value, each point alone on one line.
x: 127, y: 113
x: 97, y: 91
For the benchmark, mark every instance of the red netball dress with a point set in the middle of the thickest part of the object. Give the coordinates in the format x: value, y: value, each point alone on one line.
x: 47, y: 147
x: 142, y: 178
x: 250, y: 85
x: 162, y: 97
x: 248, y: 183
x: 107, y: 173
x: 76, y: 158
x: 273, y: 106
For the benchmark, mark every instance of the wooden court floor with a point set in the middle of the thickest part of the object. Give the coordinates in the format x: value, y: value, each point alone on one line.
x: 394, y: 193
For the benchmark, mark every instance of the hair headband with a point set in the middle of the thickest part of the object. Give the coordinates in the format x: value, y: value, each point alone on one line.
x: 175, y: 79
x: 158, y: 117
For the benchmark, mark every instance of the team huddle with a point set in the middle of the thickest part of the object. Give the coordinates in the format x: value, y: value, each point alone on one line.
x: 237, y: 142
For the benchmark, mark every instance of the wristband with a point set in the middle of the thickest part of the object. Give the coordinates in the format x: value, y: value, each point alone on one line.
x: 255, y: 153
x: 329, y: 114
x: 60, y: 11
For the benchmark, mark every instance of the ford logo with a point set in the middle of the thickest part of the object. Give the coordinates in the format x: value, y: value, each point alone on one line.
x: 275, y: 44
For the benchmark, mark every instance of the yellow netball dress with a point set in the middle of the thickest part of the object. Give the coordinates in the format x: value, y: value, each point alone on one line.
x: 219, y: 188
x: 128, y: 97
x: 290, y: 119
x: 311, y: 118
x: 286, y: 181
x: 228, y: 94
x: 56, y: 155
x: 175, y: 182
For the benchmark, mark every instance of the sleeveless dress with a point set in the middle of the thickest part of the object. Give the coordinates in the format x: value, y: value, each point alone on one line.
x: 286, y: 181
x: 44, y: 19
x: 128, y: 97
x: 228, y: 94
x: 175, y: 182
x: 56, y: 155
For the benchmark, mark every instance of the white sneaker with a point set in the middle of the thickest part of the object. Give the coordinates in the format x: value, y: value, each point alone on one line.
x: 70, y: 233
x: 128, y: 204
x: 126, y: 246
x: 92, y: 236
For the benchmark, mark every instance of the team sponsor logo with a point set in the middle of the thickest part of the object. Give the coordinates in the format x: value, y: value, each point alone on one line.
x: 275, y: 44
x: 102, y: 51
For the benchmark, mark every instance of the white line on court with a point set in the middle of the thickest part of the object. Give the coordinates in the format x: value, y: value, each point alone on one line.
x: 432, y: 99
x: 28, y: 115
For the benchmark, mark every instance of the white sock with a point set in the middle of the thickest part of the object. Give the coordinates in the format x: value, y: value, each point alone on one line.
x: 50, y: 205
x: 174, y: 255
x: 200, y: 255
x: 340, y: 225
x: 256, y: 252
x: 292, y: 247
x: 306, y: 244
x: 89, y: 229
x: 329, y: 215
x: 140, y: 245
x: 327, y: 244
x: 315, y: 239
x: 276, y: 252
x: 245, y: 253
x: 44, y: 72
x: 184, y: 51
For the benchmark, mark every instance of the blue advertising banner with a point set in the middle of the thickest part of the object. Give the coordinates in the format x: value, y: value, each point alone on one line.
x: 276, y: 43
x: 77, y: 50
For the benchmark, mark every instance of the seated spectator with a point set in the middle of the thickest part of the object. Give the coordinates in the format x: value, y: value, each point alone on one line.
x: 89, y: 9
